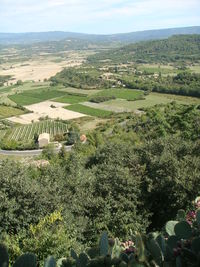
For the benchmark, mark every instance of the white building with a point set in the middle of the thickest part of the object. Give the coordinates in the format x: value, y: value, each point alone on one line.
x: 43, y: 140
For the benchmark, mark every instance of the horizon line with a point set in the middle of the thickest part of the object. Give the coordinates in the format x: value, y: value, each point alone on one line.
x: 84, y: 33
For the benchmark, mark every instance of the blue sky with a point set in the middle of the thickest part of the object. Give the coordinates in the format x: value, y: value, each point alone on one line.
x: 97, y: 16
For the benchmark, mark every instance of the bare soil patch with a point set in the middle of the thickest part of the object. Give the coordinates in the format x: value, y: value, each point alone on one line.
x: 36, y: 70
x: 47, y: 108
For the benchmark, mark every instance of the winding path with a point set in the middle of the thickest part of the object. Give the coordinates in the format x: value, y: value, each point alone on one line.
x: 28, y: 152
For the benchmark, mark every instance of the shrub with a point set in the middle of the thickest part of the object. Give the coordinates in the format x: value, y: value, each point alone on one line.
x: 50, y: 236
x: 18, y: 145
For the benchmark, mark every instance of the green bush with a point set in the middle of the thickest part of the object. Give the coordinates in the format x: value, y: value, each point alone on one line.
x: 50, y: 236
x: 18, y: 145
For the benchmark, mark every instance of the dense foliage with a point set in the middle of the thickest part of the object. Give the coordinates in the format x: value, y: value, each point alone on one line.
x: 178, y: 244
x: 132, y: 171
x: 184, y: 83
x: 79, y: 78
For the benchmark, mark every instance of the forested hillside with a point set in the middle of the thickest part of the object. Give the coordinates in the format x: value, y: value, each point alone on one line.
x: 179, y: 48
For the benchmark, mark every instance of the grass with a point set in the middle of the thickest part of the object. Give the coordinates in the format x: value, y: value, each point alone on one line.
x: 128, y: 94
x: 6, y: 89
x: 195, y: 69
x: 80, y: 91
x: 89, y: 111
x: 71, y: 99
x: 164, y: 69
x: 36, y: 96
x: 7, y: 111
x: 122, y: 105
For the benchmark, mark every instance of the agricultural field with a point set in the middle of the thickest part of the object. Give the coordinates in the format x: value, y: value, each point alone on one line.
x: 122, y: 105
x: 89, y: 110
x: 27, y: 132
x: 2, y: 133
x: 157, y: 68
x: 195, y: 68
x: 24, y: 64
x: 36, y: 96
x: 6, y: 89
x: 72, y: 98
x: 50, y: 109
x: 128, y: 94
x: 82, y: 91
x: 8, y: 111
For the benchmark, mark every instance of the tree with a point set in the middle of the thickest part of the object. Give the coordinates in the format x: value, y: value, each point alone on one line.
x: 19, y: 82
x: 35, y: 138
x: 23, y: 199
x: 48, y: 152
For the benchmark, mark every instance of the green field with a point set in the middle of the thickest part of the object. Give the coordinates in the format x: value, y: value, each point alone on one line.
x: 71, y: 99
x: 6, y: 89
x: 36, y: 96
x: 27, y: 132
x: 128, y: 94
x: 80, y: 91
x: 156, y: 68
x: 122, y: 105
x: 7, y: 111
x: 89, y: 111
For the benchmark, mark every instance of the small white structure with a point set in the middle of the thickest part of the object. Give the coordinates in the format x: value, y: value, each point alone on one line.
x: 43, y: 140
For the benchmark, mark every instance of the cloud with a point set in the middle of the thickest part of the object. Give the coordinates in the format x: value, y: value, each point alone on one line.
x: 90, y: 15
x: 148, y: 7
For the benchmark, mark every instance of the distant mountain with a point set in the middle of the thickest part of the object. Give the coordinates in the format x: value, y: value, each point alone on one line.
x: 177, y: 48
x: 34, y: 37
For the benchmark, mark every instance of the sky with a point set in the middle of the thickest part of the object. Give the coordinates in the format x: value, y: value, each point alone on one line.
x: 97, y: 16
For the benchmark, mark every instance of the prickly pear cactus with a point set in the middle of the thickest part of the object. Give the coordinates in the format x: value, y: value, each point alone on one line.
x: 103, y: 244
x: 169, y: 227
x: 50, y: 262
x: 4, y: 258
x: 26, y: 260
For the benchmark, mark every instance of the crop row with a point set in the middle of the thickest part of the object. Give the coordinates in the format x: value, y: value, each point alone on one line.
x: 27, y: 132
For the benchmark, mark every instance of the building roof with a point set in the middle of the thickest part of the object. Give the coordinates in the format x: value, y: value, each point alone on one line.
x: 44, y: 136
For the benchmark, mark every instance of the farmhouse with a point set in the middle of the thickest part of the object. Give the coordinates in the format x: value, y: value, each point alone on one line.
x: 43, y: 140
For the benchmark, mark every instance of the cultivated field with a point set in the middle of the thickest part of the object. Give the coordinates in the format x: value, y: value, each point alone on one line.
x: 32, y: 70
x: 122, y: 105
x: 89, y: 110
x: 38, y: 67
x: 7, y: 111
x: 87, y: 92
x: 2, y: 133
x: 44, y: 109
x: 35, y: 96
x: 27, y: 132
x: 128, y: 94
x: 71, y: 98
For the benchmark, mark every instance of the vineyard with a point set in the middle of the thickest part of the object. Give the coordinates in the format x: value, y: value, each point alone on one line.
x: 27, y: 132
x: 2, y: 133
